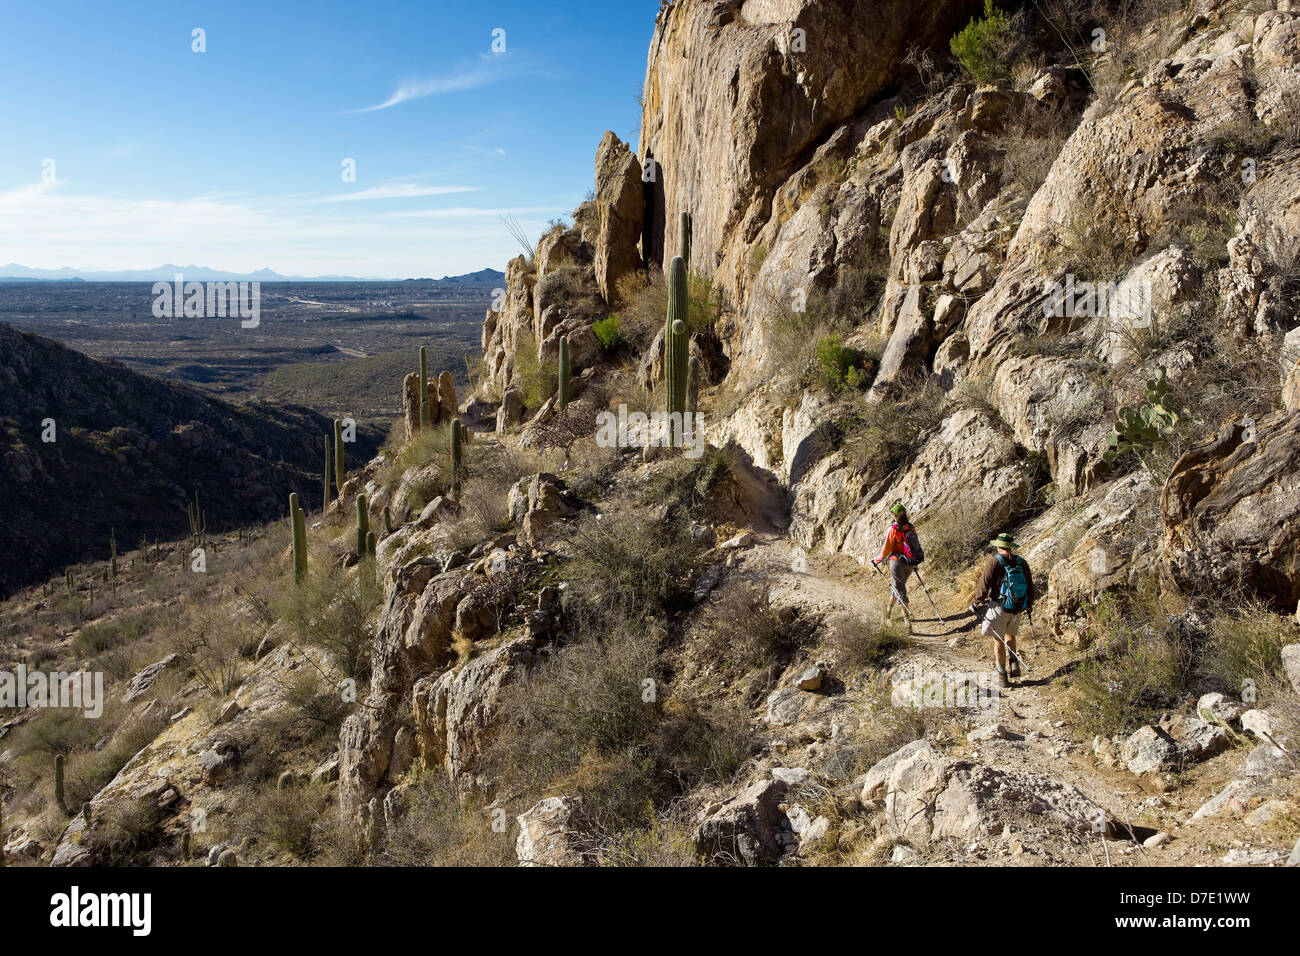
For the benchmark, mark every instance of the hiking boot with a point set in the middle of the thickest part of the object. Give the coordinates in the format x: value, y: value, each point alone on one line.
x: 1013, y: 668
x: 1002, y: 678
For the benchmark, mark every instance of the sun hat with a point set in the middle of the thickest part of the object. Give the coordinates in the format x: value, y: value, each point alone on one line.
x: 1004, y: 540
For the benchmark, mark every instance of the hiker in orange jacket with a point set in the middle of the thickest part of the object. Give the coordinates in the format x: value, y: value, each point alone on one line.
x: 902, y: 550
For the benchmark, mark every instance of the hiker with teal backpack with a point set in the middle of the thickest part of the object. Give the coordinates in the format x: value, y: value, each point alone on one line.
x: 1007, y: 584
x: 902, y: 549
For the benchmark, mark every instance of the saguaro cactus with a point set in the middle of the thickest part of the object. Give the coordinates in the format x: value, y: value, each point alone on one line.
x: 198, y: 520
x: 112, y: 547
x: 686, y: 238
x: 326, y: 499
x: 371, y: 543
x: 299, y: 539
x: 363, y: 524
x: 338, y: 456
x: 676, y: 339
x: 457, y: 456
x: 562, y: 391
x: 424, y: 388
x: 58, y: 782
x: 388, y: 520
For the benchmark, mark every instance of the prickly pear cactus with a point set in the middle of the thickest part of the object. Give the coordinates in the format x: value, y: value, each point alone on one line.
x: 1136, y: 430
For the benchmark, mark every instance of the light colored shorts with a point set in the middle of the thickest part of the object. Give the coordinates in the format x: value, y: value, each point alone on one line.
x: 1006, y: 623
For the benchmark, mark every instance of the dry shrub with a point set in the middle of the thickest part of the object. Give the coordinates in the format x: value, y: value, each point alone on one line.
x: 878, y: 436
x: 588, y: 721
x: 856, y: 644
x: 1142, y: 662
x: 123, y: 832
x: 742, y: 631
x: 285, y: 818
x: 628, y: 565
x: 437, y: 826
x: 331, y: 610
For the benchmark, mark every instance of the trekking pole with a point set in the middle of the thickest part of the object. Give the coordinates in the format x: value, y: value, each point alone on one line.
x: 890, y: 606
x: 927, y: 595
x: 1033, y: 633
x: 1006, y: 647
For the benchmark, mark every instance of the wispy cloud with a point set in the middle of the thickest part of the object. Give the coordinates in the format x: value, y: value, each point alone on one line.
x: 472, y: 212
x: 398, y: 191
x: 487, y: 69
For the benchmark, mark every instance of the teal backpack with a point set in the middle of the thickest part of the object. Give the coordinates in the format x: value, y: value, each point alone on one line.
x: 1015, y: 584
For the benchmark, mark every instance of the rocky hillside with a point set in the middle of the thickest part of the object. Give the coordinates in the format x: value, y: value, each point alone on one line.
x: 1020, y: 275
x: 125, y: 453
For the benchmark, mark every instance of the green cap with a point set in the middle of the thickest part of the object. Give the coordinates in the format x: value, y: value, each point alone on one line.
x: 898, y: 509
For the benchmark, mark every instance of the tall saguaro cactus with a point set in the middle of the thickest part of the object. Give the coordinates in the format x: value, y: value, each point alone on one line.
x: 198, y: 520
x: 299, y: 539
x: 112, y: 547
x: 338, y: 456
x: 562, y: 391
x: 425, y: 417
x: 457, y: 456
x: 363, y: 525
x: 325, y: 501
x: 686, y: 238
x: 676, y: 340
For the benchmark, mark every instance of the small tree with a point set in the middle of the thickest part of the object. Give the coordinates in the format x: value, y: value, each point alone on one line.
x: 982, y: 47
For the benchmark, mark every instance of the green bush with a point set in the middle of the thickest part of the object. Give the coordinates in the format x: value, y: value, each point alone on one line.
x: 838, y: 364
x: 537, y: 379
x: 1142, y: 665
x: 982, y: 47
x: 609, y: 332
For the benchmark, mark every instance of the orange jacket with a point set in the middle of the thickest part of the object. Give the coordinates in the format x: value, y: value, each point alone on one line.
x: 894, y: 543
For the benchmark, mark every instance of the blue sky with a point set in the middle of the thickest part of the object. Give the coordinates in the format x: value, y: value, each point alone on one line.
x: 233, y: 158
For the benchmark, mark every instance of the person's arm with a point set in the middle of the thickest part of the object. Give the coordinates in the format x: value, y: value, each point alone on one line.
x: 885, y: 549
x: 984, y: 587
x: 1032, y: 594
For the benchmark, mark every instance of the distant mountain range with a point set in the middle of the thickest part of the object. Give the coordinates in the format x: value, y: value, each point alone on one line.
x: 166, y: 273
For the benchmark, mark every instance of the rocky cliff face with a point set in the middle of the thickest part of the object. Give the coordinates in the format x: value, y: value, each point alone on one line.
x: 806, y: 165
